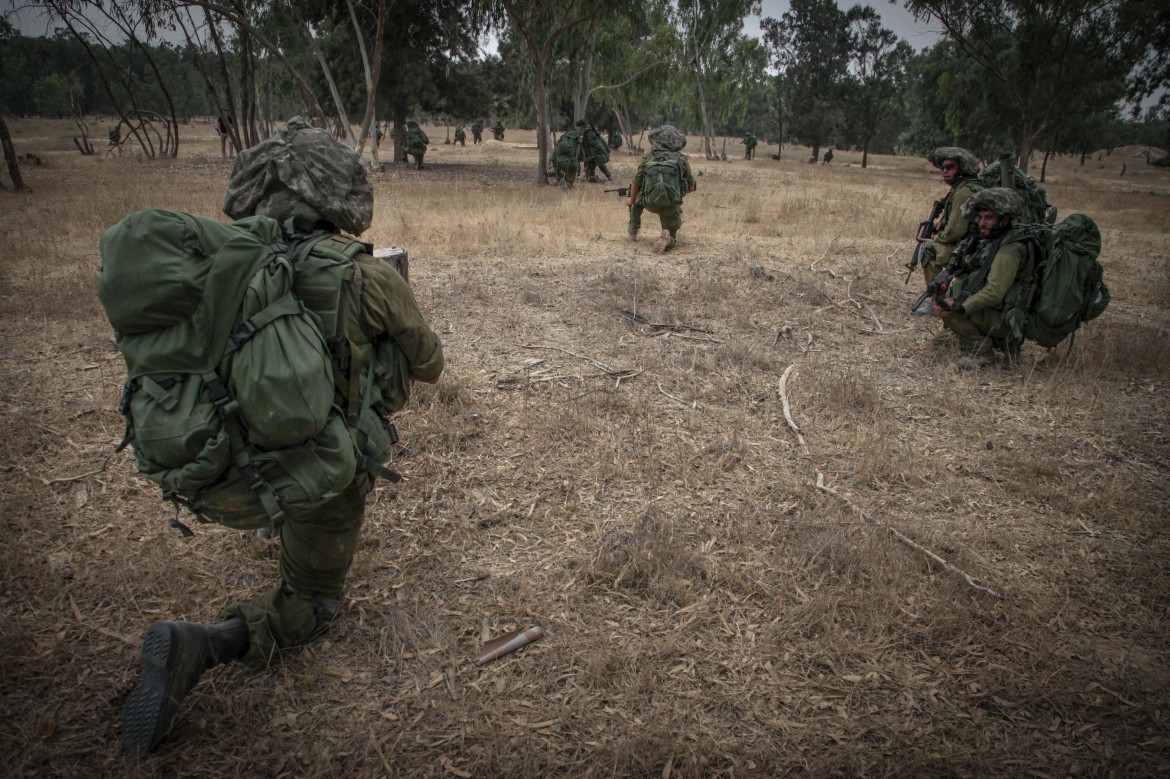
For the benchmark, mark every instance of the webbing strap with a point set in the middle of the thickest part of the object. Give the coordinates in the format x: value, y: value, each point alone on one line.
x: 161, y: 395
x: 229, y: 411
x: 287, y: 305
x: 356, y: 361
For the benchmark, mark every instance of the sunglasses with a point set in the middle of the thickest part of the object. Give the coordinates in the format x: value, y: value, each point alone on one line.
x: 949, y: 166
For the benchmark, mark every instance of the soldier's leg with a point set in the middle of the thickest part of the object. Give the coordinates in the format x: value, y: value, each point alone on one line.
x: 970, y: 337
x: 605, y: 170
x: 315, y: 556
x: 671, y: 223
x: 635, y: 221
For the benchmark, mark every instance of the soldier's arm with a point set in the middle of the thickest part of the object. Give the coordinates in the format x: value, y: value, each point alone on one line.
x: 956, y: 225
x: 388, y: 307
x: 688, y: 175
x: 1000, y: 278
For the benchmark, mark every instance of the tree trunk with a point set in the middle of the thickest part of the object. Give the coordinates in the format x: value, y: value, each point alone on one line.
x: 1044, y: 165
x: 10, y: 157
x: 585, y: 75
x: 865, y: 153
x: 708, y: 135
x: 816, y: 151
x: 342, y: 116
x: 542, y: 128
x: 373, y: 73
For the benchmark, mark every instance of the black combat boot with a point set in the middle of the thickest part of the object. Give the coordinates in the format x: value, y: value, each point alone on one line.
x: 175, y: 655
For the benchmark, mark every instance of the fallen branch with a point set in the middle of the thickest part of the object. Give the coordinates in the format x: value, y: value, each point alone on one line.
x: 639, y: 319
x: 601, y: 365
x: 693, y: 404
x: 971, y: 580
x: 79, y: 477
x: 788, y: 411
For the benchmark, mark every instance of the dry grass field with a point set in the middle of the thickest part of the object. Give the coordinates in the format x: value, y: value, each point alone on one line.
x: 607, y: 456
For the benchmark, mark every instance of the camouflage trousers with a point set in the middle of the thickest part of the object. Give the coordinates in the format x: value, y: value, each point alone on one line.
x: 315, y: 556
x: 670, y: 218
x: 591, y: 170
x: 567, y: 175
x: 974, y: 333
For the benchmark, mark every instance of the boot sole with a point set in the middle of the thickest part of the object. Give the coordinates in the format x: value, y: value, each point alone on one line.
x: 145, y: 707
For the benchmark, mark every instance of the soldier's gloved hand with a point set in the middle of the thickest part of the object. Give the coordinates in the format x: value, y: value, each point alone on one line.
x: 950, y: 306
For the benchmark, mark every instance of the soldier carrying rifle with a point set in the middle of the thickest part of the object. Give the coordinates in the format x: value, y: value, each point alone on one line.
x: 937, y: 239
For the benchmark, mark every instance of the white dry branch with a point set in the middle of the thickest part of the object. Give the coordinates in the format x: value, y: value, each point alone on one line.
x: 788, y: 410
x: 973, y: 581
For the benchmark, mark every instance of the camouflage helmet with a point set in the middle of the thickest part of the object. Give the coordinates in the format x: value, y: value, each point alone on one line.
x: 301, y: 172
x: 667, y: 138
x: 413, y: 125
x: 968, y: 162
x: 999, y: 200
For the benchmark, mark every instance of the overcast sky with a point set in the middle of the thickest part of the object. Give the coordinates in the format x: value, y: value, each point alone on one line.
x: 894, y: 17
x: 919, y: 35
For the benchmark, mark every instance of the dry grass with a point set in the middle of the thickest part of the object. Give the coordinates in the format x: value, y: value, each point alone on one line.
x: 709, y: 611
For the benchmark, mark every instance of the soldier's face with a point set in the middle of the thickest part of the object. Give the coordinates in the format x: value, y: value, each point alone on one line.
x: 950, y: 171
x: 988, y: 221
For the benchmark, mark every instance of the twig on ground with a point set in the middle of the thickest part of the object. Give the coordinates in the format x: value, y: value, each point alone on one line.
x: 661, y: 325
x: 787, y: 410
x: 601, y: 365
x: 79, y: 477
x: 971, y: 580
x: 693, y: 404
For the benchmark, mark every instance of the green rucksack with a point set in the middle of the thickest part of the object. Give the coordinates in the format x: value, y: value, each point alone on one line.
x: 662, y: 184
x: 1035, y: 197
x: 1068, y: 287
x: 233, y: 396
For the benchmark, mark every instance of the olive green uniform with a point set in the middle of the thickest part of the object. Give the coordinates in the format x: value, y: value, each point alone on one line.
x: 982, y: 319
x: 316, y: 550
x: 416, y: 144
x: 567, y: 157
x: 476, y: 133
x: 952, y: 227
x: 498, y: 131
x: 460, y: 136
x: 671, y: 218
x: 596, y: 155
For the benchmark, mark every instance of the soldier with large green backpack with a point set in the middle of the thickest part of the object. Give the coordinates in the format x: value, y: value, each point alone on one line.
x: 661, y: 182
x: 1037, y: 282
x: 263, y: 359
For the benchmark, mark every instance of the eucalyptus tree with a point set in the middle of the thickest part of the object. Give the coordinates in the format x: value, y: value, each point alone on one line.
x: 877, y: 68
x: 707, y: 31
x: 1044, y: 58
x: 811, y: 46
x: 540, y: 24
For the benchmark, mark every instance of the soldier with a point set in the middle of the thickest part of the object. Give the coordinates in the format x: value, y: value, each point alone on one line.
x: 615, y: 140
x: 662, y: 181
x: 416, y: 143
x: 986, y: 295
x: 749, y: 146
x: 828, y: 156
x: 568, y: 155
x: 319, y: 184
x: 596, y: 155
x: 960, y: 169
x: 476, y: 132
x: 498, y: 130
x: 460, y: 136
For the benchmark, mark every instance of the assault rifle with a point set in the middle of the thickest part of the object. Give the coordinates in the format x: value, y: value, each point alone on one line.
x: 926, y: 231
x: 937, y: 289
x: 622, y: 191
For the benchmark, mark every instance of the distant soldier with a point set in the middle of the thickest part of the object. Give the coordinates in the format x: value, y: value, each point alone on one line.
x: 596, y: 155
x: 460, y: 136
x: 749, y: 146
x: 476, y: 132
x: 663, y: 179
x: 615, y: 140
x: 498, y: 130
x: 828, y: 156
x: 416, y: 143
x: 224, y: 127
x: 568, y: 155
